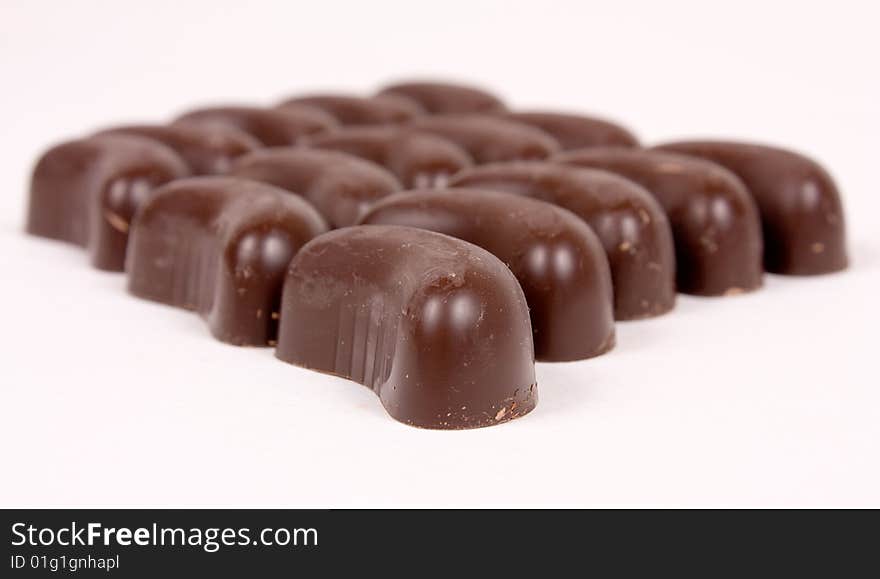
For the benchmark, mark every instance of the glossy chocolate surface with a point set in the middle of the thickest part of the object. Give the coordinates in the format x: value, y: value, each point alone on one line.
x: 437, y: 327
x: 628, y: 221
x: 576, y: 131
x: 220, y: 246
x: 555, y: 256
x: 488, y: 139
x: 87, y: 191
x: 340, y: 186
x: 417, y: 159
x: 272, y: 127
x: 445, y: 98
x: 353, y: 110
x: 207, y: 149
x: 801, y: 210
x: 715, y: 223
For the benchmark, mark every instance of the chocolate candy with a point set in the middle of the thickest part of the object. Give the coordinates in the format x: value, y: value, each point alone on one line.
x: 272, y: 127
x: 490, y: 139
x: 340, y: 186
x: 630, y: 223
x: 220, y: 246
x: 801, y: 212
x: 353, y: 110
x: 207, y: 149
x: 419, y: 160
x: 436, y: 326
x: 445, y: 98
x: 715, y: 222
x: 87, y: 191
x: 576, y: 131
x: 556, y: 257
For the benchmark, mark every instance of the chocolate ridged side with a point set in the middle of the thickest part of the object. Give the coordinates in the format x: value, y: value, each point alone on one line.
x: 220, y: 246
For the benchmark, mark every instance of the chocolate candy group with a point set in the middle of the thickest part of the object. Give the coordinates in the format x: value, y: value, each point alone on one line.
x: 429, y: 241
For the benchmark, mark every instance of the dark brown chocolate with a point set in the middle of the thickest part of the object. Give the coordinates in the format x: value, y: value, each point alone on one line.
x: 272, y: 127
x: 207, y: 149
x: 715, y: 223
x: 220, y: 246
x: 353, y: 110
x: 576, y: 131
x: 630, y: 223
x: 419, y: 160
x: 489, y: 139
x: 340, y: 186
x: 87, y: 191
x: 557, y: 259
x: 801, y: 211
x: 437, y: 327
x: 445, y: 98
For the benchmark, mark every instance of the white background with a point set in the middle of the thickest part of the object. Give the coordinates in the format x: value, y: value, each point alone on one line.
x: 769, y: 399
